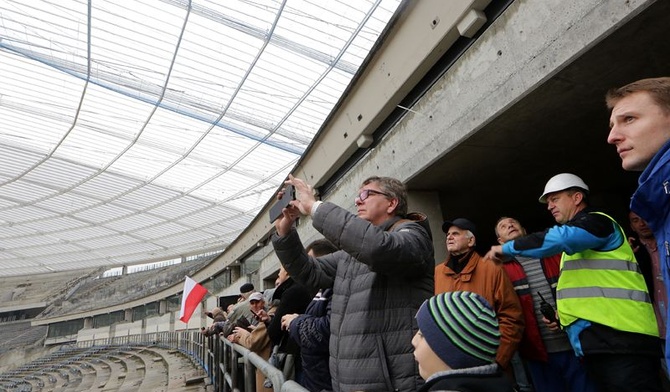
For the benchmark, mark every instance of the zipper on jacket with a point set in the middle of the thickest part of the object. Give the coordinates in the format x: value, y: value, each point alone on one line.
x: 666, y: 184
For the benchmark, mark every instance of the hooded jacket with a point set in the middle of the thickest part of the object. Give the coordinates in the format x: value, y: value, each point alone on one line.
x: 380, y: 278
x: 651, y: 201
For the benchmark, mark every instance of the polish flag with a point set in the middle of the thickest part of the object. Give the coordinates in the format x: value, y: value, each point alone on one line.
x: 194, y: 292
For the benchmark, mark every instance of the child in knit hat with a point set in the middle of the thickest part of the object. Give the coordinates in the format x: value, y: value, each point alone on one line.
x: 456, y: 344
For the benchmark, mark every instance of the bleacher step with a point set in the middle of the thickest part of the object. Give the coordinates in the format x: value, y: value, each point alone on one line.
x: 194, y: 380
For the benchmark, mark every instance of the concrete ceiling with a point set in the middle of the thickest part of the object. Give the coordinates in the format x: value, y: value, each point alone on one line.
x: 561, y: 126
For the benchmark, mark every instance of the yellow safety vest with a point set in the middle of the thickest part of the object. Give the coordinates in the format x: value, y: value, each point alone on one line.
x: 605, y: 287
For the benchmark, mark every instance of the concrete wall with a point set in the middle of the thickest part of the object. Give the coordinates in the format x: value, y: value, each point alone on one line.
x: 160, y: 323
x: 94, y: 333
x: 168, y: 322
x: 125, y: 329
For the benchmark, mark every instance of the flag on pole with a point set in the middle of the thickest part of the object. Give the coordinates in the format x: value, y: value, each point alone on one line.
x: 193, y: 293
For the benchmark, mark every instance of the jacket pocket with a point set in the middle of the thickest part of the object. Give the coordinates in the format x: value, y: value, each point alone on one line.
x: 381, y: 352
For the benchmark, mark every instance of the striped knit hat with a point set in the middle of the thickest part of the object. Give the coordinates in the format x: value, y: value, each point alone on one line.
x: 461, y: 328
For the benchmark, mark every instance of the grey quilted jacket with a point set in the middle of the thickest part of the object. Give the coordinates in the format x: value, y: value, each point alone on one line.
x: 379, y: 278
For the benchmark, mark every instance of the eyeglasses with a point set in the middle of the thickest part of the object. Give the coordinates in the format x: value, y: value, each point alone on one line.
x: 365, y: 193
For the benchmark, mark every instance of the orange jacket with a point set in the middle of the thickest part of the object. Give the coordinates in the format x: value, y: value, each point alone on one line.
x: 489, y: 280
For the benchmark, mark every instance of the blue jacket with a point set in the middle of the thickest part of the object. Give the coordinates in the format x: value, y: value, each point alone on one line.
x: 312, y: 332
x: 584, y: 231
x: 651, y: 201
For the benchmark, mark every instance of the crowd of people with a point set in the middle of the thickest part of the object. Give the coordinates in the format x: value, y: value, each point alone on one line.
x: 580, y: 306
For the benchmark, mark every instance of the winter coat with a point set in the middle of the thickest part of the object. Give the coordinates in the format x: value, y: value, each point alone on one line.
x: 258, y: 341
x: 293, y: 298
x: 379, y: 279
x: 217, y: 314
x: 651, y: 201
x: 489, y: 280
x: 312, y: 332
x: 478, y: 379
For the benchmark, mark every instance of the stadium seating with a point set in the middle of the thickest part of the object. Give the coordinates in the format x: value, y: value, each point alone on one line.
x: 128, y: 368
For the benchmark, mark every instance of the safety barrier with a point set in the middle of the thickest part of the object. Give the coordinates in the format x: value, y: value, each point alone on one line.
x: 230, y: 367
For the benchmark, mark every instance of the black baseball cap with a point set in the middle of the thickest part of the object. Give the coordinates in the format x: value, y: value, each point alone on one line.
x: 247, y: 287
x: 461, y: 223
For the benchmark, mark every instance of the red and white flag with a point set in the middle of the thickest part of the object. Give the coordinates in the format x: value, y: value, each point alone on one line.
x: 194, y: 292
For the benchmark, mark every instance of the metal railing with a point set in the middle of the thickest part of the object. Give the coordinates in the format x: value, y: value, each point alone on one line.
x: 229, y: 367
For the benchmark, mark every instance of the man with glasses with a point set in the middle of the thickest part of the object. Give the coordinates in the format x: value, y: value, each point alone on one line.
x: 380, y: 276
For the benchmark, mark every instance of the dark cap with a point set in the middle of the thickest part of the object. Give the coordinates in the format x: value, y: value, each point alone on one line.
x: 461, y: 223
x: 247, y: 287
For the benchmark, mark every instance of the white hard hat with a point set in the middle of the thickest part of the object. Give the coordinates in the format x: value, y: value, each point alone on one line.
x: 561, y: 182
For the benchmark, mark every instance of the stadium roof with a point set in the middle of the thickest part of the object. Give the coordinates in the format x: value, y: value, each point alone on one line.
x: 133, y: 131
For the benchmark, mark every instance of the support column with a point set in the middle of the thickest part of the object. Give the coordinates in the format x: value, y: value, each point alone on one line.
x: 429, y: 203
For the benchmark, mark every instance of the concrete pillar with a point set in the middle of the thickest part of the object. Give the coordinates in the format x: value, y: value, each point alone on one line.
x: 162, y: 306
x: 429, y: 204
x: 235, y: 273
x: 128, y: 315
x: 88, y: 322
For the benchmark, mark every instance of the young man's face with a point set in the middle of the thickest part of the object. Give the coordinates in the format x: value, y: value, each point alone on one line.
x: 638, y: 128
x: 429, y: 363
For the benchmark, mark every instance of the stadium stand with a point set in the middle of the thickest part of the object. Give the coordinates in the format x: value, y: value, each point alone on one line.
x: 96, y: 292
x: 21, y: 293
x: 108, y: 368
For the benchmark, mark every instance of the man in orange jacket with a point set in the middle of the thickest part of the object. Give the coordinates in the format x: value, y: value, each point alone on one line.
x: 465, y: 270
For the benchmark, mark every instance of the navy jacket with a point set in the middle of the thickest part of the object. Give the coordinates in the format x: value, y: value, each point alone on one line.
x: 312, y: 332
x: 478, y: 379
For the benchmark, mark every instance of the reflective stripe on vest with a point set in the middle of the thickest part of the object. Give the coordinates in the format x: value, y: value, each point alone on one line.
x: 586, y: 292
x: 605, y: 287
x: 595, y: 264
